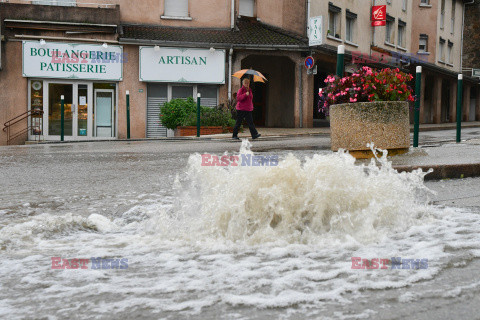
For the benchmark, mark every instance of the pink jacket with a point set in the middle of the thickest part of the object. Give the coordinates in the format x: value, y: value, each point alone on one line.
x: 244, y: 102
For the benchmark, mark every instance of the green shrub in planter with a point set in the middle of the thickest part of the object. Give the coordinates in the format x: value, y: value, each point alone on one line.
x: 174, y: 112
x: 210, y: 117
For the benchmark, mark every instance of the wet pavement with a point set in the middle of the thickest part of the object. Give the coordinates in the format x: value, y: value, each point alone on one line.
x: 200, y: 243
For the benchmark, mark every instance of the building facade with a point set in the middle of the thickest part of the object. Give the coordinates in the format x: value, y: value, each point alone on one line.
x: 92, y: 52
x: 158, y: 50
x: 425, y: 33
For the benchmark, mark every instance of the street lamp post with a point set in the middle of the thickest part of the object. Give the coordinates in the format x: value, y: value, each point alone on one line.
x: 418, y: 82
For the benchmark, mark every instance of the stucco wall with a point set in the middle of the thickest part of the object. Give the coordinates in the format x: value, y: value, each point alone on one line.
x: 471, y: 53
x: 13, y: 90
x: 138, y: 100
x: 425, y: 21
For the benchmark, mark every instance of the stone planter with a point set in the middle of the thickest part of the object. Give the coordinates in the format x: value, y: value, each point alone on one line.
x: 385, y: 123
x: 192, y: 131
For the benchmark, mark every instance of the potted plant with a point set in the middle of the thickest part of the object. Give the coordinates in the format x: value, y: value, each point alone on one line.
x: 368, y: 106
x: 181, y: 116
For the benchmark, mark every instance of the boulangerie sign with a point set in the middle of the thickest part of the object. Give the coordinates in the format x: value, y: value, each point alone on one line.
x: 72, y: 61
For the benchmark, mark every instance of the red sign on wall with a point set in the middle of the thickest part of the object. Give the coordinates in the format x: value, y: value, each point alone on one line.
x: 378, y: 23
x: 379, y: 15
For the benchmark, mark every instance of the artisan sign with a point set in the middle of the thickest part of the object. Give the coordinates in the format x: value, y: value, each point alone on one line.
x: 182, y: 65
x: 72, y: 61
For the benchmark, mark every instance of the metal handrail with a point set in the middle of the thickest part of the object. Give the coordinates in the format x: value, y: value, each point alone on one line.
x: 17, y: 119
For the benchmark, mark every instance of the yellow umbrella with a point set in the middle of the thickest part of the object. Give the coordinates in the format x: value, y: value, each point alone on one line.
x: 257, y: 76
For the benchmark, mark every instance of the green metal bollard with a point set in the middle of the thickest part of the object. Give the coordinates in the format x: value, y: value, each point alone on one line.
x: 62, y: 118
x: 128, y: 114
x: 341, y: 60
x: 459, y: 106
x: 198, y: 114
x: 416, y: 127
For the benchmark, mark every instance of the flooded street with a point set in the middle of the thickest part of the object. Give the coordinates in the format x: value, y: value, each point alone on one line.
x: 242, y: 242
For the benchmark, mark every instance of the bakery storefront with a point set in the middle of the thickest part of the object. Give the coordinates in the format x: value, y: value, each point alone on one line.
x: 179, y: 73
x: 86, y: 75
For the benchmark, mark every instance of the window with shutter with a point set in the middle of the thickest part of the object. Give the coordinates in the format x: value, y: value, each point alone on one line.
x: 247, y: 8
x: 176, y: 8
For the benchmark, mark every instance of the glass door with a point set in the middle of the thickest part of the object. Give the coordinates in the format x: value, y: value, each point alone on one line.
x: 104, y: 113
x: 82, y: 110
x: 55, y: 91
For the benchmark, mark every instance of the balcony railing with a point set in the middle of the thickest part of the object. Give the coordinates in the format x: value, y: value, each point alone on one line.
x: 66, y: 3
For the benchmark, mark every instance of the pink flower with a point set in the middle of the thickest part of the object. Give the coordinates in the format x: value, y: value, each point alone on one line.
x: 353, y: 100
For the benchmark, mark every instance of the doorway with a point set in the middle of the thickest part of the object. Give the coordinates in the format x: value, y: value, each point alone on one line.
x: 89, y: 109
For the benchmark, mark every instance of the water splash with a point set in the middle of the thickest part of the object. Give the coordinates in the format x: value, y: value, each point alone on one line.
x: 300, y: 202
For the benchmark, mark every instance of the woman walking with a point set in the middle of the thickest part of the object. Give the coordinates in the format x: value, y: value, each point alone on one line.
x: 245, y: 109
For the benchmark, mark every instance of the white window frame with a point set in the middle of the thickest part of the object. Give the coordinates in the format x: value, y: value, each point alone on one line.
x: 401, y: 35
x: 420, y: 43
x: 441, y: 53
x: 389, y: 29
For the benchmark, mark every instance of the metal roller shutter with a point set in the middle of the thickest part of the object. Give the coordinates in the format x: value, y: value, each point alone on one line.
x: 157, y: 96
x: 247, y: 8
x: 176, y: 8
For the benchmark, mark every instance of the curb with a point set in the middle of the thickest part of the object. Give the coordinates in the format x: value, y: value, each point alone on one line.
x: 447, y: 171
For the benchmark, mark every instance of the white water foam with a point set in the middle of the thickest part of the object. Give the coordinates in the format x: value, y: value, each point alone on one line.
x: 243, y: 238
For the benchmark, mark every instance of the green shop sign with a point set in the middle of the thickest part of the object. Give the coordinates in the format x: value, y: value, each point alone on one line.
x: 182, y: 65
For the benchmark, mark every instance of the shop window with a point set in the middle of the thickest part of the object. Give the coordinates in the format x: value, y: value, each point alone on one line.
x: 182, y: 92
x: 247, y: 8
x: 36, y: 105
x: 176, y: 8
x: 401, y: 33
x: 390, y: 29
x: 209, y: 95
x: 423, y: 43
x: 350, y: 26
x: 334, y: 13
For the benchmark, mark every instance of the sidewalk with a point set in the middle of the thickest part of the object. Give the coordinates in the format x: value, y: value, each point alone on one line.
x: 291, y: 132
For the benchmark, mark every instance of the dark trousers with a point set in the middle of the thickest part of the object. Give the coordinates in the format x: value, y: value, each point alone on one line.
x: 247, y: 115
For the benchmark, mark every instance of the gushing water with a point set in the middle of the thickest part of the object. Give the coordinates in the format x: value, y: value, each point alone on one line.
x: 240, y: 241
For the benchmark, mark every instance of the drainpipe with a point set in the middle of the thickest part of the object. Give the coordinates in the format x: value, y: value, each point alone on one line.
x: 300, y: 89
x: 463, y: 26
x: 308, y: 18
x: 230, y: 54
x: 232, y: 15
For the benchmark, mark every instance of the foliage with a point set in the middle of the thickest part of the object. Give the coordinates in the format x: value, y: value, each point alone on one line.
x: 174, y: 112
x: 364, y: 86
x: 210, y: 117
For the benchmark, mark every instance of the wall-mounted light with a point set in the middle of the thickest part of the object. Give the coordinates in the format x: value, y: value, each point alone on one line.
x: 156, y: 48
x: 212, y: 50
x: 105, y: 45
x: 42, y: 42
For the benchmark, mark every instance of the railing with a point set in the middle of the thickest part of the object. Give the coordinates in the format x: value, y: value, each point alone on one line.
x: 36, y: 127
x: 67, y: 3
